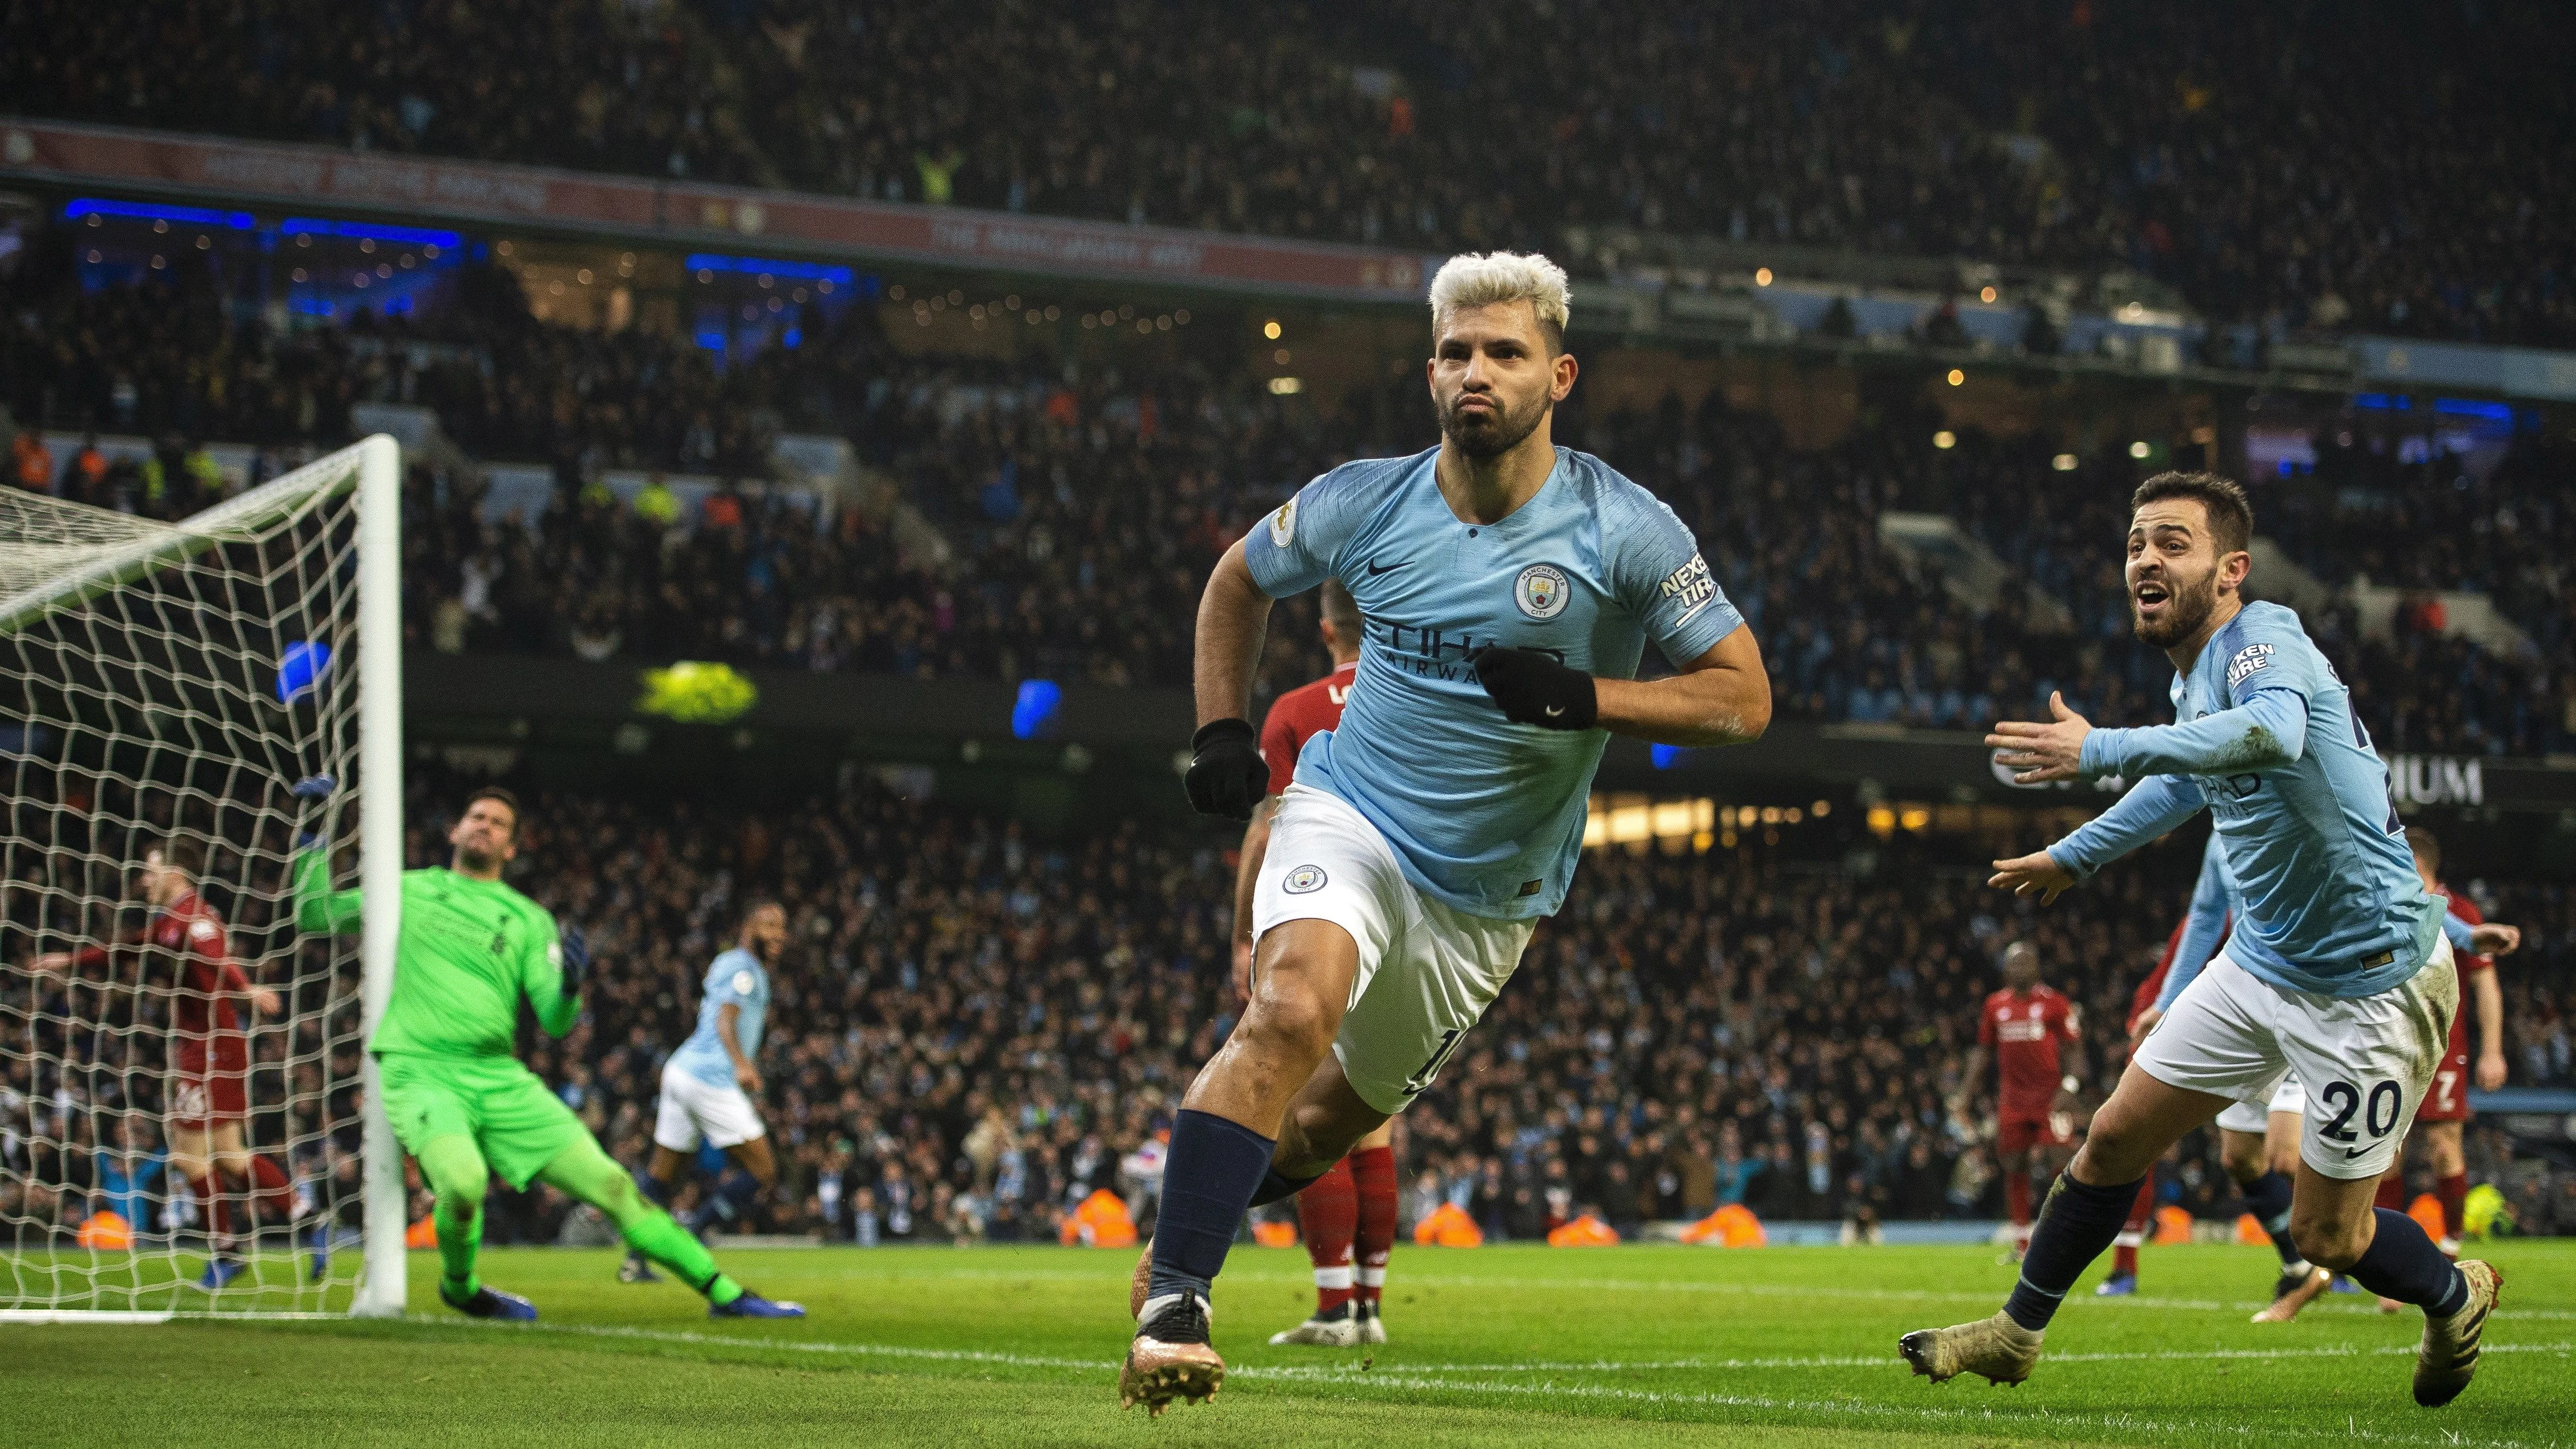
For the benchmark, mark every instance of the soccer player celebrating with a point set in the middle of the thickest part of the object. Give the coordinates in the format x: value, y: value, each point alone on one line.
x: 2337, y: 969
x: 2445, y: 1110
x: 2026, y: 1026
x: 709, y: 1083
x: 208, y: 1102
x: 1347, y: 1216
x: 1509, y: 588
x: 461, y: 1103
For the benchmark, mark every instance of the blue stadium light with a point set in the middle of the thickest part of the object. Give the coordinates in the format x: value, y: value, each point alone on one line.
x: 300, y: 668
x: 712, y: 341
x: 419, y: 236
x: 766, y: 266
x: 793, y: 337
x: 2377, y: 402
x: 143, y: 211
x: 2471, y: 408
x: 1667, y: 756
x: 1033, y: 714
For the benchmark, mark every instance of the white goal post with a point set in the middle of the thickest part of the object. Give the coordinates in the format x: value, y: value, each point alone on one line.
x: 167, y: 1145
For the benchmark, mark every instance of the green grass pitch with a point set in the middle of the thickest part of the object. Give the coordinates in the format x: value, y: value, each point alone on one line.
x: 1492, y: 1346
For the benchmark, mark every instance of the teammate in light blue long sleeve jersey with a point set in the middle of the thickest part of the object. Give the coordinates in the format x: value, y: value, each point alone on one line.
x: 2337, y: 970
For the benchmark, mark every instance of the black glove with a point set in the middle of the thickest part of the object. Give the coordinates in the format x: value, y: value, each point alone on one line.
x: 574, y: 949
x: 1534, y: 689
x: 1227, y: 774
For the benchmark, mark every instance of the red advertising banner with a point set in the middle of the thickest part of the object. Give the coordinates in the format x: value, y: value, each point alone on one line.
x: 683, y: 213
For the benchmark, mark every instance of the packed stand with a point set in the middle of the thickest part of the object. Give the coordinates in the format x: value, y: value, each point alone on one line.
x: 1086, y: 505
x: 2326, y: 168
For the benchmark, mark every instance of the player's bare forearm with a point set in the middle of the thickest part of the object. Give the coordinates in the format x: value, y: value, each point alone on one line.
x: 1721, y: 698
x: 2490, y: 1006
x: 1233, y: 616
x: 729, y: 1036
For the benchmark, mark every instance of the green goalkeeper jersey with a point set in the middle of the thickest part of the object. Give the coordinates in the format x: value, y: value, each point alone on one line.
x: 469, y: 949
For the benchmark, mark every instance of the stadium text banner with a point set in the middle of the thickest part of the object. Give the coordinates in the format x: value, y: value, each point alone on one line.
x: 635, y: 208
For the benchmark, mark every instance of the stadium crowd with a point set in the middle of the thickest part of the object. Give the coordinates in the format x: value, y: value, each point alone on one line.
x: 973, y: 1029
x: 1084, y: 507
x: 2421, y: 192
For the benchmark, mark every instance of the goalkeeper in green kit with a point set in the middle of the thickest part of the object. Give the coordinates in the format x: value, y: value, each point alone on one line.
x: 460, y: 1102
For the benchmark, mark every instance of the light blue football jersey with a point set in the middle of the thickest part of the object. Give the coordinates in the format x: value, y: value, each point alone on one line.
x: 1483, y: 814
x: 2266, y: 739
x: 736, y: 978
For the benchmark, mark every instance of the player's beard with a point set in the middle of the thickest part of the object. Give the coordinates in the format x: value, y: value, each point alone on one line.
x: 476, y: 861
x: 2187, y: 607
x: 1495, y: 433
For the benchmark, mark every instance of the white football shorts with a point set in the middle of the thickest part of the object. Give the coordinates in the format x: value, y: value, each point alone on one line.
x: 2255, y: 1116
x: 2365, y: 1061
x: 1427, y: 969
x: 694, y: 1109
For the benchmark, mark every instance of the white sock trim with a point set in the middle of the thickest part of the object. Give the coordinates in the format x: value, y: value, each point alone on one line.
x: 1333, y: 1278
x: 2129, y: 1240
x: 1372, y: 1277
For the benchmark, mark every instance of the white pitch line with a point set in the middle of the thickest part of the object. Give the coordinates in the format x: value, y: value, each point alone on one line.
x: 1902, y: 1295
x: 1019, y: 1360
x: 1416, y: 1379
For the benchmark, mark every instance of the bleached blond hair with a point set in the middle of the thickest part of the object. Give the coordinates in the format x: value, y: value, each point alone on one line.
x: 1480, y: 279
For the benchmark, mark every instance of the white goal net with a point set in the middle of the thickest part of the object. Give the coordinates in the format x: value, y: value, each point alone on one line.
x: 185, y: 1119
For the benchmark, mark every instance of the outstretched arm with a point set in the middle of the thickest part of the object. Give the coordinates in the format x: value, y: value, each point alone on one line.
x: 2269, y: 729
x: 2152, y: 807
x: 318, y: 908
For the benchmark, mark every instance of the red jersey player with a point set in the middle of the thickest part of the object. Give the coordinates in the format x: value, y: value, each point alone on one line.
x: 206, y: 1097
x: 2036, y: 1038
x: 2445, y: 1109
x: 1347, y: 1216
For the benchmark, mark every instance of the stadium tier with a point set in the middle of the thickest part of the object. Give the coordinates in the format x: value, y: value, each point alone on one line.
x: 1035, y: 477
x: 2370, y: 172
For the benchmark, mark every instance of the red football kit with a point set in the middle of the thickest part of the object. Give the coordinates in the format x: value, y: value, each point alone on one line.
x: 2025, y: 1031
x: 1300, y: 715
x: 209, y: 1056
x: 2448, y: 1100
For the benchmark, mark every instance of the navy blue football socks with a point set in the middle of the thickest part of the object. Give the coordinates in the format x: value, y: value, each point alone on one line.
x: 2403, y: 1264
x: 2076, y: 1223
x: 1214, y: 1168
x: 2268, y: 1199
x: 1275, y: 1188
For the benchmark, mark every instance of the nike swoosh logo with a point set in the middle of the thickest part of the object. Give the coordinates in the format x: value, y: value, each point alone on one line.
x: 1554, y: 710
x: 2350, y: 1153
x: 1374, y: 570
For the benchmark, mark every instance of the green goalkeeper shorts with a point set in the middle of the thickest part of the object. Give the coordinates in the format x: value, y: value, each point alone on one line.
x: 515, y: 1122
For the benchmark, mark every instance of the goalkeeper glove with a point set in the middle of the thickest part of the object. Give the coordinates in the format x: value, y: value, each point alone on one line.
x: 1534, y: 689
x: 1227, y: 774
x: 312, y: 790
x: 572, y: 953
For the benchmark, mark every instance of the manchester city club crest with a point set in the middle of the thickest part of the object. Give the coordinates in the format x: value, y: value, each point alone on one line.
x: 1542, y: 591
x: 1303, y: 879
